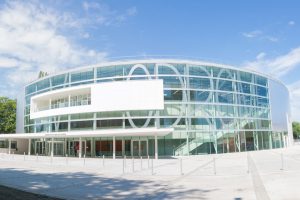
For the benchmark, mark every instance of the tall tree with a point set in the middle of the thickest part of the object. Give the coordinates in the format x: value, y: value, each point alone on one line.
x: 296, y: 129
x: 7, y: 115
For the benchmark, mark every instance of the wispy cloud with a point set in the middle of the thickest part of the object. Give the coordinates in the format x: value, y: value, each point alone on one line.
x: 291, y: 23
x: 105, y: 15
x: 260, y: 56
x: 32, y: 39
x: 278, y: 67
x: 258, y: 34
x: 252, y: 34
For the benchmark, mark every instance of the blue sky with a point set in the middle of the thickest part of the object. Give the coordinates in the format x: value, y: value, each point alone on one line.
x: 54, y: 35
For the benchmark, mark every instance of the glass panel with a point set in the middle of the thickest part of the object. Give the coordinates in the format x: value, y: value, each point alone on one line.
x: 81, y: 76
x: 43, y: 84
x: 199, y: 71
x: 30, y: 89
x: 245, y: 76
x: 261, y: 91
x: 59, y: 80
x: 224, y: 85
x: 82, y: 125
x: 200, y: 83
x: 224, y: 97
x: 261, y: 80
x: 175, y: 95
x: 106, y: 124
x: 200, y: 96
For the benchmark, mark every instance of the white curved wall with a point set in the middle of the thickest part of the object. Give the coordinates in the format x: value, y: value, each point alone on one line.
x: 110, y: 96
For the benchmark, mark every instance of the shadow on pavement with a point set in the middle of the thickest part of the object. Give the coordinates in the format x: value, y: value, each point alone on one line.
x: 80, y: 185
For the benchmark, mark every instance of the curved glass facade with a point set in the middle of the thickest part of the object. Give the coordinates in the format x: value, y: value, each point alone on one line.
x: 212, y: 108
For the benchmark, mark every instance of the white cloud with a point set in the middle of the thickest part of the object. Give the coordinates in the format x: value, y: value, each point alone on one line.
x: 258, y: 34
x: 131, y: 11
x: 31, y: 40
x: 252, y: 34
x: 105, y: 15
x: 272, y: 38
x: 261, y: 55
x: 291, y: 23
x: 278, y: 66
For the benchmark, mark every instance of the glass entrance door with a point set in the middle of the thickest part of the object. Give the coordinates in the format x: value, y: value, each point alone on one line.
x: 135, y: 148
x: 58, y: 148
x: 144, y: 148
x: 139, y: 148
x: 39, y: 147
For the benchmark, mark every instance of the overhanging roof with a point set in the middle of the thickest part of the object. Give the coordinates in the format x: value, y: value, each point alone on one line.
x: 96, y: 133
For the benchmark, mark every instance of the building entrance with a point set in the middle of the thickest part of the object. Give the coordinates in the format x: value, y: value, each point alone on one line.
x: 58, y: 148
x: 139, y: 147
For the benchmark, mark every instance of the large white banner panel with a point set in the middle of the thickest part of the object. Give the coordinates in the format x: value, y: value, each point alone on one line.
x: 128, y: 95
x: 110, y: 96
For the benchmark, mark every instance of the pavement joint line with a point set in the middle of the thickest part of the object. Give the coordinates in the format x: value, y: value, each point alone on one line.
x: 258, y: 186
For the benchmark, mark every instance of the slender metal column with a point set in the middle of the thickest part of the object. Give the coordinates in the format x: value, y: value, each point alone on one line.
x: 29, y: 146
x: 80, y: 147
x: 156, y: 147
x: 114, y: 147
x: 52, y: 146
x: 9, y: 145
x: 123, y: 147
x: 140, y: 147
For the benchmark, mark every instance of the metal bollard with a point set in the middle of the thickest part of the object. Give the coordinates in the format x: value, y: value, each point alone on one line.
x: 132, y: 160
x: 84, y: 159
x: 148, y: 162
x: 66, y: 158
x: 152, y: 173
x: 180, y: 162
x: 24, y: 156
x: 141, y: 163
x: 37, y: 157
x: 282, y: 164
x: 103, y: 160
x: 123, y: 165
x: 248, y: 168
x: 125, y: 160
x: 214, y: 160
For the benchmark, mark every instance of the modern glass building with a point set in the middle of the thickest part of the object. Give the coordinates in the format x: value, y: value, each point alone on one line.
x: 156, y: 107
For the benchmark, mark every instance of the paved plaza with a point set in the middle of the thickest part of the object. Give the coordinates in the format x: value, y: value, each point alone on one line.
x: 266, y: 174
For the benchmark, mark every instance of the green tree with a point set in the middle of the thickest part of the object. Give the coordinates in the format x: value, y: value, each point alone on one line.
x: 296, y: 129
x: 7, y: 115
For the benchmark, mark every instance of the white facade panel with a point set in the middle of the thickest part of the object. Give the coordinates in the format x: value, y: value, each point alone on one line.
x: 112, y: 96
x: 280, y: 108
x: 128, y: 95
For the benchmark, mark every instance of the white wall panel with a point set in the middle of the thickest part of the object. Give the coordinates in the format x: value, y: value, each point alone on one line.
x: 111, y: 96
x: 128, y: 95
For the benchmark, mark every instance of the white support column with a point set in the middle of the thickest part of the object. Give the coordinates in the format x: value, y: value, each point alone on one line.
x: 52, y: 147
x: 69, y: 150
x: 131, y: 147
x: 29, y: 146
x: 92, y: 147
x: 80, y: 147
x: 65, y: 147
x: 35, y: 145
x: 140, y: 147
x: 147, y: 147
x: 9, y: 145
x: 123, y: 147
x: 114, y: 147
x: 156, y: 147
